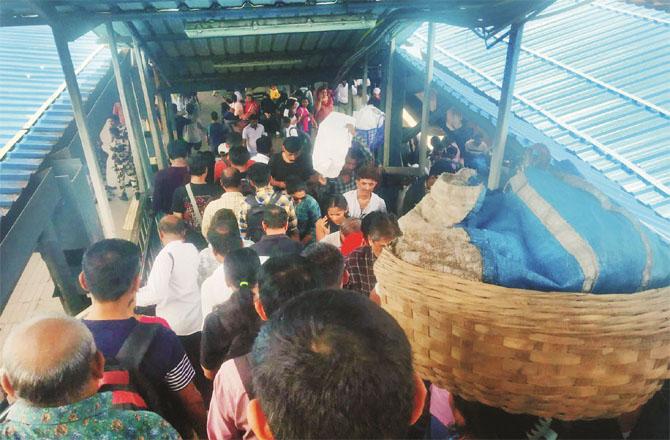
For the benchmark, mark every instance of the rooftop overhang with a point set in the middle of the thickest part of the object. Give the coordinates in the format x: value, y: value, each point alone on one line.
x: 205, y: 44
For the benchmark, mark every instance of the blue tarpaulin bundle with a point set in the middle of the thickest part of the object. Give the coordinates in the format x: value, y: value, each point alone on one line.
x: 554, y: 232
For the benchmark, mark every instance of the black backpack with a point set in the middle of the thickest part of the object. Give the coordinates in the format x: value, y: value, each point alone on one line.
x: 255, y: 215
x: 131, y: 388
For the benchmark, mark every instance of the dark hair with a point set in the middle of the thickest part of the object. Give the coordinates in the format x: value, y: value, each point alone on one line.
x: 336, y: 201
x: 241, y: 266
x: 264, y: 145
x: 259, y: 173
x: 378, y: 225
x: 328, y: 263
x: 177, y: 148
x: 231, y: 178
x: 293, y: 144
x: 282, y: 278
x: 110, y: 267
x: 337, y: 356
x: 295, y: 184
x: 451, y: 152
x: 356, y: 153
x: 369, y: 172
x: 275, y: 216
x: 198, y: 164
x: 171, y: 224
x: 215, y: 116
x: 439, y: 167
x: 253, y: 117
x: 238, y: 156
x: 224, y: 233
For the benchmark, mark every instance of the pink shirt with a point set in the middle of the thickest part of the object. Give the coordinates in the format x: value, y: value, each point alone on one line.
x: 303, y: 113
x: 227, y: 418
x: 439, y: 405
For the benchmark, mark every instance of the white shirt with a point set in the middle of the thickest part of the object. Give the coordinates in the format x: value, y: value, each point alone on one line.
x: 333, y: 238
x: 251, y: 135
x: 342, y: 93
x: 261, y: 158
x: 214, y: 291
x: 376, y: 203
x: 173, y: 287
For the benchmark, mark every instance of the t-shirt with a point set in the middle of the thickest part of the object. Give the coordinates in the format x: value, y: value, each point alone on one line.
x: 229, y: 331
x: 281, y: 170
x: 165, y: 184
x: 251, y: 135
x: 217, y: 133
x: 276, y: 246
x: 221, y: 165
x: 376, y: 203
x: 203, y: 194
x: 227, y: 418
x: 165, y: 361
x: 306, y: 122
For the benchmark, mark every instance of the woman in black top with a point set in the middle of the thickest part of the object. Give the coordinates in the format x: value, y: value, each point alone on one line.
x: 229, y: 331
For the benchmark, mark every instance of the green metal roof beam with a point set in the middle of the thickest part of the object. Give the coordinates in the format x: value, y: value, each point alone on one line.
x: 228, y: 28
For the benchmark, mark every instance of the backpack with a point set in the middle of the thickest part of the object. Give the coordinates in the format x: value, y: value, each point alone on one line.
x: 130, y: 387
x: 255, y: 215
x: 122, y: 376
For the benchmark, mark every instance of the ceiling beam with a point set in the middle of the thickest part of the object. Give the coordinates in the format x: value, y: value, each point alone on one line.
x: 230, y: 81
x: 244, y: 12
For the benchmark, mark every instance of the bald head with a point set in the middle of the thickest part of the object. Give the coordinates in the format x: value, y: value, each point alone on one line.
x: 48, y: 361
x: 172, y: 225
x: 231, y: 179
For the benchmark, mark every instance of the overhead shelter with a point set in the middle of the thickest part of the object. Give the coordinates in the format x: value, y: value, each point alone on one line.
x: 208, y: 44
x: 592, y: 85
x: 192, y: 45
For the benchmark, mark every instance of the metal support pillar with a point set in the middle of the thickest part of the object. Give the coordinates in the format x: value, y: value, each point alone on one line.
x: 504, y: 105
x: 168, y: 136
x: 365, y: 80
x: 425, y: 105
x: 388, y: 101
x: 137, y: 105
x: 120, y: 85
x: 104, y: 210
x: 61, y: 272
x: 149, y: 104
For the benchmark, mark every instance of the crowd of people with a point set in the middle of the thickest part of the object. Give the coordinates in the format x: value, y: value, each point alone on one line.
x: 267, y: 320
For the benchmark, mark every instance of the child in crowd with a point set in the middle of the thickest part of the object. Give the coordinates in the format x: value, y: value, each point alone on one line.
x: 230, y: 330
x: 305, y: 121
x: 306, y: 210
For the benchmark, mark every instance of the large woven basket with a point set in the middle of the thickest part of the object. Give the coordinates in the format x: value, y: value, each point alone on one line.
x: 564, y: 355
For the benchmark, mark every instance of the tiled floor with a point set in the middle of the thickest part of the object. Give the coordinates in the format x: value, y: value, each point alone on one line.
x: 33, y: 293
x: 31, y: 296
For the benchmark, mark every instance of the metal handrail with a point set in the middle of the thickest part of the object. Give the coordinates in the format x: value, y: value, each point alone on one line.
x: 9, y: 145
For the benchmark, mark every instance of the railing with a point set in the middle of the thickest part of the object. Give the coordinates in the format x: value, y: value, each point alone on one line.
x: 145, y: 234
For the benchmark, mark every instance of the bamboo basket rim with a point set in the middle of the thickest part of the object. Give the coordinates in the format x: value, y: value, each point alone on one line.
x: 590, y: 308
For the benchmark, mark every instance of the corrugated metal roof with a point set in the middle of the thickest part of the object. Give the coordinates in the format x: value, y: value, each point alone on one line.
x: 592, y: 76
x: 210, y: 44
x: 31, y: 75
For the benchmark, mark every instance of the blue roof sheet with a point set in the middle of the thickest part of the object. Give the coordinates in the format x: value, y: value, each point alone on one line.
x: 30, y: 73
x: 592, y: 77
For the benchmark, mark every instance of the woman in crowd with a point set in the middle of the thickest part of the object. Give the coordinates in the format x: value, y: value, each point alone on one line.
x: 229, y: 331
x: 324, y: 104
x: 337, y: 212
